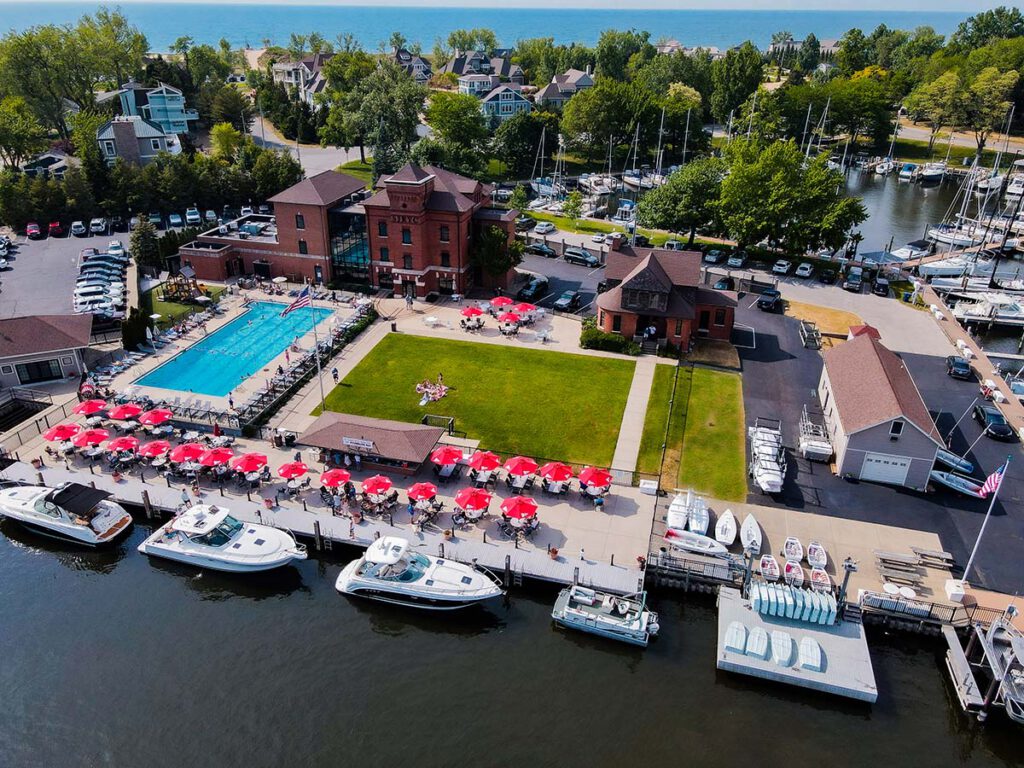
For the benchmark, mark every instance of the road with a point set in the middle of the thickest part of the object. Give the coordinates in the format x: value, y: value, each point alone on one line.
x: 313, y: 157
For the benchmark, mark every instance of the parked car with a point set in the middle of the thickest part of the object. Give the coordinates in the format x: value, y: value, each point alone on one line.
x: 805, y: 270
x: 544, y: 228
x: 78, y: 229
x: 86, y: 253
x: 156, y: 219
x: 581, y: 256
x: 264, y: 209
x: 174, y: 220
x: 725, y: 284
x: 133, y: 222
x: 854, y: 280
x: 524, y: 223
x: 827, y: 276
x: 192, y: 217
x: 781, y: 267
x: 33, y: 231
x: 737, y: 261
x: 597, y: 238
x: 98, y: 226
x: 641, y: 241
x: 569, y: 301
x: 993, y: 422
x: 535, y: 289
x: 539, y: 249
x: 115, y: 248
x: 603, y: 286
x: 246, y: 211
x: 117, y: 224
x: 714, y: 256
x: 959, y: 368
x: 770, y: 300
x: 880, y: 287
x: 211, y: 216
x: 4, y: 263
x: 56, y: 229
x: 673, y: 245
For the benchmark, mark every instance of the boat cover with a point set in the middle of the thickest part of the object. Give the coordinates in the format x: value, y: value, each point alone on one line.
x: 78, y: 499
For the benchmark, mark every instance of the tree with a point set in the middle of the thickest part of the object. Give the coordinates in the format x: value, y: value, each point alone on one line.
x: 94, y: 165
x: 346, y: 69
x: 397, y: 41
x: 615, y: 49
x: 21, y: 135
x: 274, y: 171
x: 988, y: 26
x: 691, y: 69
x: 230, y: 106
x: 482, y: 39
x: 987, y: 102
x: 687, y: 201
x: 572, y: 207
x: 781, y: 37
x: 385, y: 112
x: 518, y: 200
x: 852, y: 52
x: 809, y: 55
x: 494, y: 254
x: 297, y: 46
x: 225, y: 141
x: 144, y: 246
x: 609, y: 112
x: 734, y: 77
x: 456, y: 118
x: 939, y: 102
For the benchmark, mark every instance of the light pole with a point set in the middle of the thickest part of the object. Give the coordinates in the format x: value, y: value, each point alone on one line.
x: 969, y: 409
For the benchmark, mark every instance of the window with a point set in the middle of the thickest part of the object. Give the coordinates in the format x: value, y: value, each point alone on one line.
x: 67, y: 362
x: 444, y: 233
x: 616, y: 323
x: 655, y: 301
x: 382, y: 228
x: 156, y: 144
x: 108, y: 148
x: 385, y: 254
x: 303, y: 248
x: 407, y: 261
x: 43, y: 370
x: 406, y: 237
x: 300, y: 221
x: 895, y: 429
x: 679, y: 327
x: 719, y: 317
x: 446, y: 259
x: 600, y: 317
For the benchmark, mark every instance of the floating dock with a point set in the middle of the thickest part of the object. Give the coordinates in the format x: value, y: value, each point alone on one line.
x: 845, y: 661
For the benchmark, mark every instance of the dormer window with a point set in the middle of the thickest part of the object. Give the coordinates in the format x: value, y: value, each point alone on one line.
x: 895, y: 430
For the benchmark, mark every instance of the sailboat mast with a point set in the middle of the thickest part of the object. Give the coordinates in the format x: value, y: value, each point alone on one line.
x: 657, y: 154
x: 686, y: 136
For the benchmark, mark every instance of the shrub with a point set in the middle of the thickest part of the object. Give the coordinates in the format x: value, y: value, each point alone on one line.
x: 594, y: 338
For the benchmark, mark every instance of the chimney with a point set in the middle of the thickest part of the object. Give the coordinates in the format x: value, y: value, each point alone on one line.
x: 588, y: 69
x: 125, y: 141
x: 615, y: 241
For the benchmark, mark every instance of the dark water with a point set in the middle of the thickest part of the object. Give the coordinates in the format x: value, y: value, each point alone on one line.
x: 109, y: 659
x: 897, y: 210
x: 243, y: 24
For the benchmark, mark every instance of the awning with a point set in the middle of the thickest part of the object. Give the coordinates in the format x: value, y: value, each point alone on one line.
x: 78, y: 499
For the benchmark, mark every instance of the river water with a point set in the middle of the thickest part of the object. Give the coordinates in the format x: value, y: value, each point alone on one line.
x: 109, y: 659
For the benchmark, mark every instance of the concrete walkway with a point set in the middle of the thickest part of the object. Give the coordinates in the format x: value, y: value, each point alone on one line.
x: 627, y: 449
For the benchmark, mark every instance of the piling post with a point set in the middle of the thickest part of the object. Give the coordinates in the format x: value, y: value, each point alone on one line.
x: 168, y: 480
x: 442, y: 550
x: 613, y: 558
x: 576, y: 575
x: 146, y: 504
x: 485, y: 537
x: 304, y: 509
x: 39, y: 479
x: 316, y: 535
x: 91, y: 472
x: 508, y: 570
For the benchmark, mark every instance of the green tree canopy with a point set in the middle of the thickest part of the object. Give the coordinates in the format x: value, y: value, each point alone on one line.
x: 734, y: 77
x: 987, y: 103
x: 21, y: 135
x: 456, y: 118
x: 988, y: 26
x: 493, y: 252
x: 687, y: 201
x: 940, y: 102
x: 615, y: 49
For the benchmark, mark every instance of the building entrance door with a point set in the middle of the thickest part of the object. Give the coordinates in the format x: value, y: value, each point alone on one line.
x: 318, y: 275
x: 705, y: 321
x: 409, y: 288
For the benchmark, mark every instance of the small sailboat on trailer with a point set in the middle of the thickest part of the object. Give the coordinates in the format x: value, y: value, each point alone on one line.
x: 964, y: 485
x: 954, y: 462
x: 694, y: 542
x: 820, y: 580
x: 750, y: 534
x: 725, y: 528
x: 816, y: 555
x: 793, y: 549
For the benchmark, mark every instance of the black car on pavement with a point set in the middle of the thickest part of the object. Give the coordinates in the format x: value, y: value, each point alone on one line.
x: 959, y: 368
x: 539, y: 249
x: 827, y: 276
x: 524, y: 223
x: 725, y: 284
x: 569, y: 301
x: 533, y: 290
x: 770, y: 300
x: 581, y: 256
x: 993, y: 422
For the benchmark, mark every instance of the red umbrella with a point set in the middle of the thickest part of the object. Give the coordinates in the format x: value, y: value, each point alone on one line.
x: 524, y: 307
x: 596, y: 477
x: 422, y: 491
x: 292, y: 469
x: 520, y: 466
x: 90, y: 437
x: 250, y: 462
x: 126, y: 411
x: 472, y: 312
x: 509, y: 317
x: 155, y: 417
x: 472, y: 499
x: 376, y: 485
x: 446, y: 455
x: 125, y: 443
x: 334, y: 478
x: 216, y: 456
x: 556, y: 472
x: 484, y: 461
x: 154, y: 449
x: 61, y: 432
x: 520, y: 507
x: 188, y: 452
x: 90, y: 407
x: 501, y: 301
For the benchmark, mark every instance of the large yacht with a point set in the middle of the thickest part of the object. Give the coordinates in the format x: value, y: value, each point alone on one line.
x: 392, y: 572
x: 71, y: 512
x: 209, y: 537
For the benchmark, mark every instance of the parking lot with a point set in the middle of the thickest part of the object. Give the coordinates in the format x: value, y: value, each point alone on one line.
x: 42, y: 273
x: 563, y: 276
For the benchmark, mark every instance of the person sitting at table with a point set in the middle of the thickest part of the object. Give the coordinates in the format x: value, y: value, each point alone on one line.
x: 459, y: 518
x: 531, y: 526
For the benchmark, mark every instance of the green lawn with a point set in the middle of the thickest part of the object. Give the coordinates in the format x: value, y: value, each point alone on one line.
x: 172, y: 311
x: 359, y: 169
x: 912, y: 150
x: 656, y: 420
x: 548, y: 405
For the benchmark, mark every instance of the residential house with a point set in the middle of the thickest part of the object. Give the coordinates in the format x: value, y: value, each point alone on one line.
x: 479, y: 63
x: 880, y: 427
x: 163, y: 105
x: 135, y: 140
x: 304, y: 76
x: 415, y: 65
x: 562, y: 87
x: 670, y: 47
x: 42, y: 348
x: 504, y: 102
x: 478, y: 85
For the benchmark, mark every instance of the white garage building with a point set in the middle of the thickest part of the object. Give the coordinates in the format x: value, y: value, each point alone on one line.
x: 880, y: 426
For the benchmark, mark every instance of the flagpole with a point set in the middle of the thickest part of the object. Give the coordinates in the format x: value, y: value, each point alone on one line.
x: 316, y: 350
x: 977, y: 542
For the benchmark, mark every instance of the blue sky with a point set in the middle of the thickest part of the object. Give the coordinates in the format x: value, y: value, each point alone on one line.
x: 969, y: 6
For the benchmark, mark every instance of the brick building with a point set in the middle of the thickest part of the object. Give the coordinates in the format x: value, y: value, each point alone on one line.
x: 661, y: 289
x: 421, y: 226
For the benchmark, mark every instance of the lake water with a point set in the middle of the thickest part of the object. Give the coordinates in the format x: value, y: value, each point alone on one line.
x: 110, y: 659
x: 243, y: 24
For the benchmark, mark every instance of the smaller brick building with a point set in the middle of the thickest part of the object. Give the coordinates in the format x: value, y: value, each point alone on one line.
x: 660, y: 289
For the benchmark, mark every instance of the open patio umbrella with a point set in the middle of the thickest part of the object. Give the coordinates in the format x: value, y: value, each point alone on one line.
x: 519, y: 507
x: 90, y: 437
x: 556, y: 472
x: 472, y: 312
x: 215, y: 457
x: 524, y: 306
x: 335, y: 478
x: 376, y: 485
x: 156, y: 417
x: 249, y: 462
x: 292, y: 469
x: 509, y: 317
x: 422, y: 491
x: 596, y: 477
x: 155, y: 448
x: 484, y: 461
x: 124, y: 443
x: 187, y: 452
x: 521, y: 466
x: 502, y: 301
x: 446, y: 455
x: 126, y: 411
x: 90, y: 407
x: 472, y: 499
x: 61, y: 432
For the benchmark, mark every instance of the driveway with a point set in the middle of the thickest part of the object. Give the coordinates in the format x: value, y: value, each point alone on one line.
x: 312, y: 157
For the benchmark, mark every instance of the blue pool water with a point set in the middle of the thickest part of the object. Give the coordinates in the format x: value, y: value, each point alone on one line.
x: 219, y: 363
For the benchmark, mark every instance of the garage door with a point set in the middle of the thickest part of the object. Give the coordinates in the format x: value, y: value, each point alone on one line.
x: 883, y: 468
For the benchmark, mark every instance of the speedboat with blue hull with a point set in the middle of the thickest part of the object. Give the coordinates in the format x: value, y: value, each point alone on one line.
x: 70, y: 512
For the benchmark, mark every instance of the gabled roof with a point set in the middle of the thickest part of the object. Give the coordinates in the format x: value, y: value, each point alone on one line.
x: 325, y: 188
x: 549, y: 92
x: 143, y: 128
x: 648, y: 275
x: 391, y: 439
x: 864, y: 330
x: 871, y: 385
x: 410, y: 173
x: 496, y: 93
x: 451, y: 192
x: 316, y: 62
x: 681, y: 267
x: 44, y: 333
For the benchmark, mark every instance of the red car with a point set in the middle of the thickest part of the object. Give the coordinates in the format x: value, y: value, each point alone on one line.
x: 33, y: 231
x: 56, y: 229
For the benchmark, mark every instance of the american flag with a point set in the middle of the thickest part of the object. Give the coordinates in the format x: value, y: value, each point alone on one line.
x: 304, y: 299
x: 992, y: 482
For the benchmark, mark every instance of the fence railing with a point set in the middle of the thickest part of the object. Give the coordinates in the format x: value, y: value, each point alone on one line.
x: 16, y: 438
x: 922, y: 610
x: 680, y: 566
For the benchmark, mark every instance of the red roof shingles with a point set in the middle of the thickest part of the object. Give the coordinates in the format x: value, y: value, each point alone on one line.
x: 44, y: 333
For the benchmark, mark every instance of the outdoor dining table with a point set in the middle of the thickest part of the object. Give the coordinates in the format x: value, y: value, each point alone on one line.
x: 190, y: 436
x: 908, y: 592
x: 446, y: 470
x: 890, y: 589
x: 519, y: 481
x: 94, y: 421
x: 473, y: 514
x: 191, y: 467
x: 159, y: 461
x: 129, y: 426
x: 553, y: 487
x: 220, y: 441
x: 517, y: 522
x: 93, y: 453
x: 595, y: 491
x: 252, y: 477
x: 293, y: 484
x: 66, y: 447
x: 164, y: 429
x: 482, y: 479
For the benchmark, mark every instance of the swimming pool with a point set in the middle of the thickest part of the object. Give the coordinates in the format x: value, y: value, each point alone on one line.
x: 224, y: 359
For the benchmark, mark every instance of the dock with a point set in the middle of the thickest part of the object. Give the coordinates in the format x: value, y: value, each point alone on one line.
x: 846, y: 662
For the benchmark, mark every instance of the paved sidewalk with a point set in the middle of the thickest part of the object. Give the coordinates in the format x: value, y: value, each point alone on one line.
x: 627, y: 449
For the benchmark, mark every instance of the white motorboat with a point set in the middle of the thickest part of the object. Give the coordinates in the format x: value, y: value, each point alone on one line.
x: 757, y: 643
x: 964, y: 485
x: 816, y: 555
x: 793, y: 549
x: 954, y: 462
x: 908, y: 172
x: 885, y: 167
x: 810, y: 655
x: 991, y: 184
x: 770, y: 568
x: 932, y: 173
x: 632, y: 179
x: 694, y: 542
x: 625, y: 618
x: 913, y: 250
x: 207, y: 536
x: 1004, y: 649
x: 750, y: 534
x: 793, y: 573
x: 736, y: 637
x: 782, y: 648
x: 1016, y: 186
x: 390, y: 571
x: 820, y: 580
x: 725, y: 528
x: 70, y: 512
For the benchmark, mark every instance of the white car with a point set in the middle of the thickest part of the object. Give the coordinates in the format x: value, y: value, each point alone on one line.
x: 737, y: 260
x: 804, y: 270
x: 544, y: 228
x: 598, y: 238
x: 98, y: 226
x: 115, y: 248
x: 192, y: 217
x: 781, y: 267
x: 78, y: 229
x: 246, y: 210
x: 174, y: 220
x: 4, y: 263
